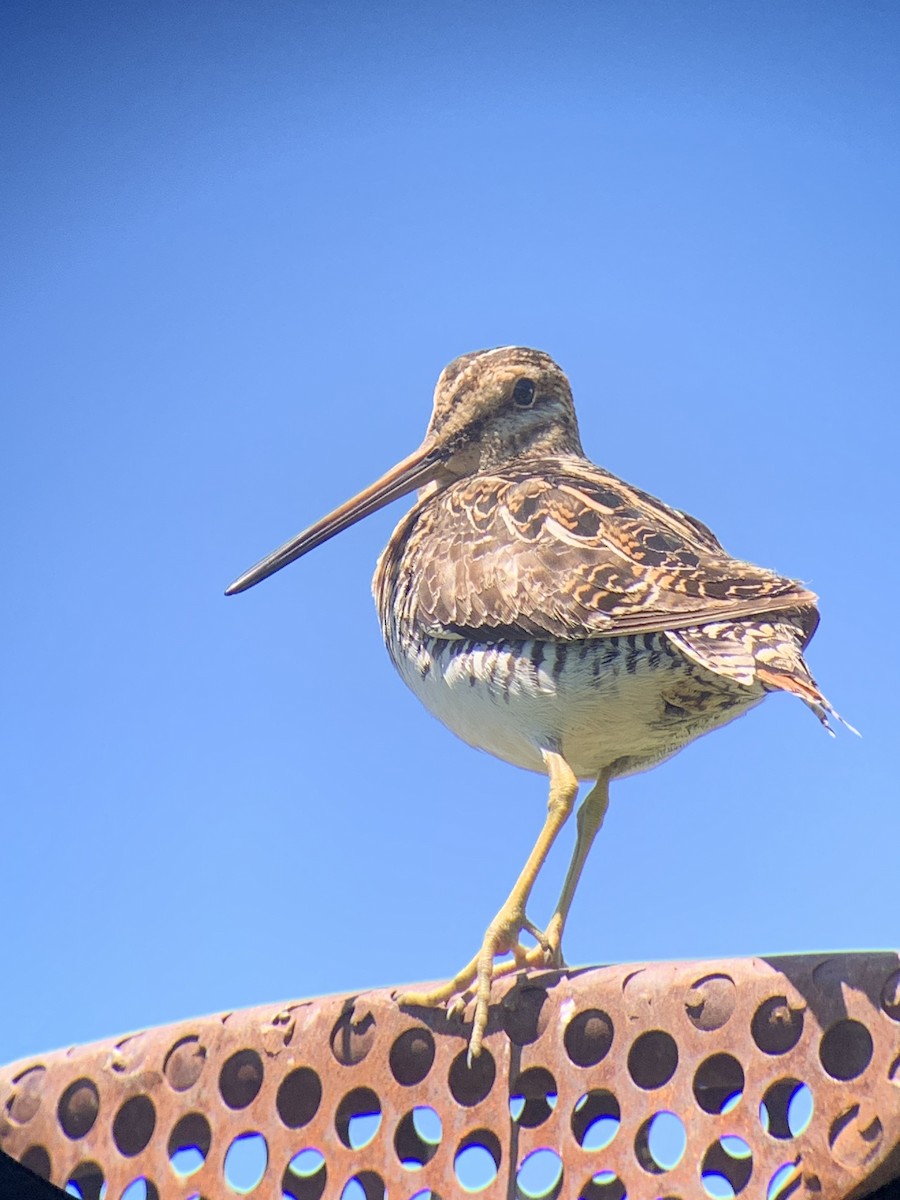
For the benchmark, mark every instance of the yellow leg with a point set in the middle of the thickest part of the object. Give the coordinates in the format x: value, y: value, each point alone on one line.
x: 588, y: 819
x: 502, y: 934
x: 548, y: 952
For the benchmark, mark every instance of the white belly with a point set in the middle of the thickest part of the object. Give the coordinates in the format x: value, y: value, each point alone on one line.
x: 613, y: 704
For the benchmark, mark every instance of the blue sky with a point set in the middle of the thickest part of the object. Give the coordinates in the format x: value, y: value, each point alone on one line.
x: 239, y: 244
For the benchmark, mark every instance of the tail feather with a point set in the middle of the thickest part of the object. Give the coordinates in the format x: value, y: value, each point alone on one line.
x: 805, y: 687
x: 766, y: 652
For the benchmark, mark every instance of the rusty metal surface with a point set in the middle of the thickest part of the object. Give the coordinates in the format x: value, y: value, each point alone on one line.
x: 723, y: 1045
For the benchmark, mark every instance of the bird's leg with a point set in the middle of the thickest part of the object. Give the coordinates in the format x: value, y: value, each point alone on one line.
x: 502, y: 934
x: 588, y: 820
x: 548, y: 952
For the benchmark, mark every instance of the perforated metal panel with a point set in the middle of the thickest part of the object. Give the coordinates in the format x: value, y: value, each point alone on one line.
x: 563, y: 1102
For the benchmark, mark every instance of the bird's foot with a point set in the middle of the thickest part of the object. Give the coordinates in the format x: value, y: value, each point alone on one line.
x: 476, y: 977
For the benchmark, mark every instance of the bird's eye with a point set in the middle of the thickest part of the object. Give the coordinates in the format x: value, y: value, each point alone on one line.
x: 523, y: 393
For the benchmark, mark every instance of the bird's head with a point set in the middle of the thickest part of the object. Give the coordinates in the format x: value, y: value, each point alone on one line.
x: 490, y: 407
x: 496, y: 405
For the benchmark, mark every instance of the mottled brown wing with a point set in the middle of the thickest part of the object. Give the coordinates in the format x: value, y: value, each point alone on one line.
x: 567, y: 550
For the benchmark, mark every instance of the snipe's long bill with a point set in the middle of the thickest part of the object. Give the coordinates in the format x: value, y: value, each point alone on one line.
x: 557, y: 617
x: 412, y: 472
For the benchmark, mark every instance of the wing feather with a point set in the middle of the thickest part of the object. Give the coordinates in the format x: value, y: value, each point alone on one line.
x: 561, y: 548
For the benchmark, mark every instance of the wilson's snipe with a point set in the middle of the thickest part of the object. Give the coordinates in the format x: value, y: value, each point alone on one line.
x: 557, y: 617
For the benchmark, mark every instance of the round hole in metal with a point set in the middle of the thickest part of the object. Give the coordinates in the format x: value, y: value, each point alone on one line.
x: 846, y: 1049
x: 246, y: 1160
x: 776, y: 1027
x: 353, y: 1035
x: 28, y: 1092
x: 477, y: 1160
x: 358, y: 1118
x: 718, y: 1083
x: 37, y: 1159
x: 532, y: 1097
x: 133, y: 1125
x: 588, y: 1037
x: 412, y: 1055
x: 366, y: 1185
x: 596, y: 1118
x: 141, y: 1189
x: 87, y: 1182
x: 540, y: 1176
x: 78, y: 1107
x: 605, y: 1185
x: 189, y: 1143
x: 241, y: 1078
x: 298, y: 1098
x: 306, y: 1175
x: 786, y: 1108
x: 660, y: 1142
x: 184, y: 1063
x: 471, y: 1083
x: 524, y: 1014
x: 727, y: 1167
x: 710, y: 1002
x: 417, y: 1137
x: 652, y: 1059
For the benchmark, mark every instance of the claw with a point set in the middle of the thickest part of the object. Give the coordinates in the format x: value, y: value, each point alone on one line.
x: 457, y: 1006
x: 502, y: 937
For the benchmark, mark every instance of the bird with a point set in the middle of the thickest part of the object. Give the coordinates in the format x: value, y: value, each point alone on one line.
x: 559, y: 618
